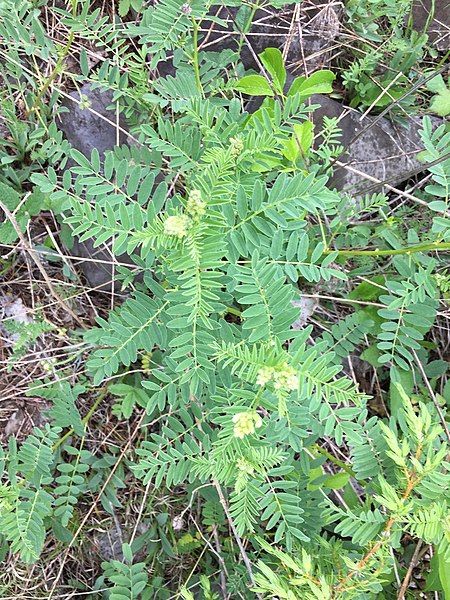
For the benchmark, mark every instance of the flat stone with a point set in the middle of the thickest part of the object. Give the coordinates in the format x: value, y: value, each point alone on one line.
x: 438, y: 28
x: 92, y: 126
x: 86, y: 129
x: 375, y: 147
x: 304, y: 32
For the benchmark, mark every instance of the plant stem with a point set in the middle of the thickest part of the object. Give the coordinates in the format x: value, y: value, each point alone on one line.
x: 428, y: 247
x: 85, y: 419
x: 334, y: 460
x: 195, y: 57
x: 237, y: 537
x: 412, y: 483
x: 233, y: 311
x: 58, y: 66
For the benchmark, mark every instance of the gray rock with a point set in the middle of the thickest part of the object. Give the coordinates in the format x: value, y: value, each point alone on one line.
x: 88, y: 128
x: 315, y: 29
x: 375, y: 147
x: 99, y: 268
x: 108, y: 544
x: 91, y: 126
x: 438, y: 27
x: 305, y: 33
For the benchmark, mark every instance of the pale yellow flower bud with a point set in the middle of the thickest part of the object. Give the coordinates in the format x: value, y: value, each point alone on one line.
x: 245, y: 423
x: 236, y: 146
x: 177, y: 225
x: 265, y: 374
x: 286, y: 378
x: 245, y: 466
x: 195, y: 206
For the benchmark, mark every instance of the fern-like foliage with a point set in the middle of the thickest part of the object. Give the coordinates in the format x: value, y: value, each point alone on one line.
x: 129, y: 580
x: 346, y: 334
x: 227, y: 215
x: 26, y: 503
x: 23, y: 524
x: 71, y: 483
x: 64, y: 412
x: 409, y: 312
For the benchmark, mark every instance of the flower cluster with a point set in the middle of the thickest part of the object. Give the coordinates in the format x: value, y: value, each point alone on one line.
x: 177, y: 225
x: 245, y: 423
x: 186, y: 9
x: 48, y: 364
x: 245, y: 466
x: 284, y: 377
x: 195, y: 206
x: 145, y: 363
x: 236, y: 146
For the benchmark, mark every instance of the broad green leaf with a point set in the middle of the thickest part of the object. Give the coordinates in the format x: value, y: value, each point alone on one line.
x: 301, y: 141
x: 437, y: 84
x: 254, y: 85
x: 444, y: 574
x: 337, y: 481
x: 319, y: 82
x: 124, y: 7
x: 441, y: 103
x: 272, y: 60
x: 304, y: 135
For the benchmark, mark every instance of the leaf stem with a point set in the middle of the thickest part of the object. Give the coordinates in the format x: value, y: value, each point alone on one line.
x: 58, y: 66
x: 426, y: 247
x: 334, y: 460
x: 85, y: 419
x: 195, y: 59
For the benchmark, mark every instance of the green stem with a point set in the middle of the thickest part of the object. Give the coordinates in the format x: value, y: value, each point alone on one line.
x: 58, y: 66
x: 195, y: 59
x: 429, y: 247
x: 334, y: 460
x: 85, y: 419
x: 233, y: 311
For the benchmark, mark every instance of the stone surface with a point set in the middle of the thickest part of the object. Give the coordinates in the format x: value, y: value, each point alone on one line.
x: 375, y: 147
x: 438, y: 29
x: 88, y: 128
x: 304, y: 32
x: 91, y: 126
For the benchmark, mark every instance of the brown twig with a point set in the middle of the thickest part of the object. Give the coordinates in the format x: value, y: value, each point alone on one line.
x: 412, y: 482
x: 412, y: 564
x: 236, y: 535
x: 94, y: 504
x: 37, y: 261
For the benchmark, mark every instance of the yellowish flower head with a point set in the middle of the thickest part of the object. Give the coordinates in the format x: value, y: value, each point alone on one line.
x: 177, y: 225
x: 245, y: 466
x: 236, y: 146
x: 245, y: 423
x: 284, y: 378
x: 265, y: 374
x: 195, y: 206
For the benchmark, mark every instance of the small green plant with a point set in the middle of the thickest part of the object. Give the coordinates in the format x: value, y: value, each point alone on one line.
x: 441, y: 100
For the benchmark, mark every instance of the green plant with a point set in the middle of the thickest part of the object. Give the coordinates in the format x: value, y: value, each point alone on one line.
x: 276, y: 474
x: 384, y: 63
x: 441, y: 100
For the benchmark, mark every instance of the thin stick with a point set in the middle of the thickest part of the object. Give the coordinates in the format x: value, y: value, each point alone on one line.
x: 378, y: 181
x: 236, y: 535
x: 94, y: 504
x: 223, y: 570
x: 37, y: 261
x: 433, y: 396
x: 412, y: 564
